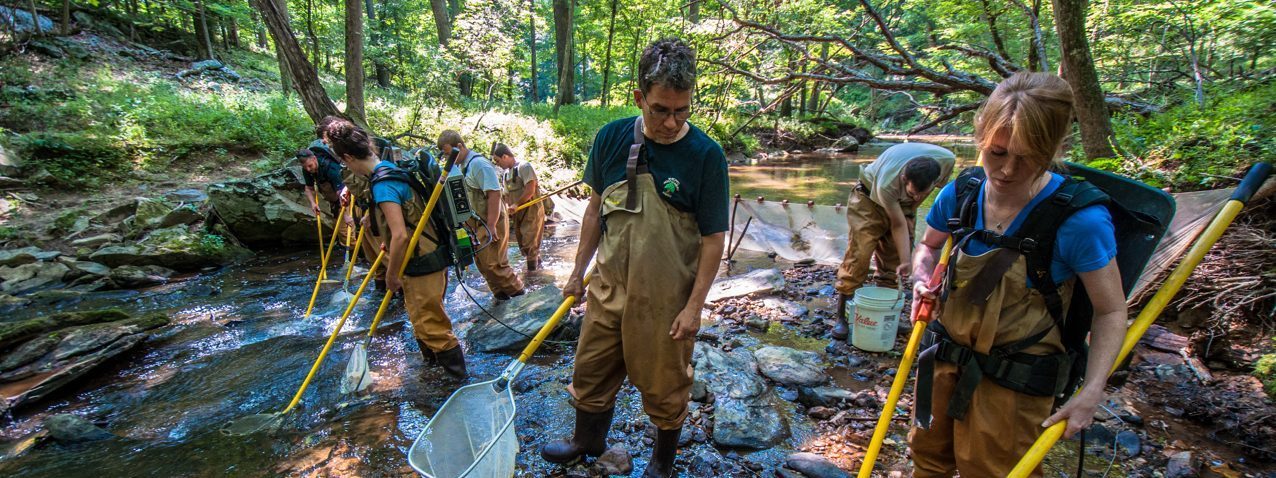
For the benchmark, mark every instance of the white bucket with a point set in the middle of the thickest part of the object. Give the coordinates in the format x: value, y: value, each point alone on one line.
x: 876, y: 315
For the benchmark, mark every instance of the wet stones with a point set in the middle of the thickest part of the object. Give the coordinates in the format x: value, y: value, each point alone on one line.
x: 1181, y: 465
x: 791, y: 367
x: 743, y: 415
x: 132, y: 277
x: 814, y: 466
x: 523, y: 316
x: 31, y: 277
x: 755, y: 282
x: 66, y: 428
x: 615, y: 461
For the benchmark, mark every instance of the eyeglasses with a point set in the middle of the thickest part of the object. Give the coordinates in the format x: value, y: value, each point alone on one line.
x: 677, y: 115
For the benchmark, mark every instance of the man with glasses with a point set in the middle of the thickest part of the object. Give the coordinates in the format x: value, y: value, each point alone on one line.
x: 657, y: 220
x: 881, y: 212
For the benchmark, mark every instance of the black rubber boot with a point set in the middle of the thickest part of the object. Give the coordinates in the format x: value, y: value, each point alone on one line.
x: 841, y: 330
x: 453, y: 361
x: 666, y: 449
x: 427, y: 354
x: 589, y: 439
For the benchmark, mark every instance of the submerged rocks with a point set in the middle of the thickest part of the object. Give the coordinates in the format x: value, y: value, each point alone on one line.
x: 267, y: 210
x: 132, y: 277
x: 66, y: 428
x: 788, y: 366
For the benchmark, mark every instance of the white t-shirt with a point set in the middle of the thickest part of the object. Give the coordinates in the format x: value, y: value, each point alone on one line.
x: 882, y: 176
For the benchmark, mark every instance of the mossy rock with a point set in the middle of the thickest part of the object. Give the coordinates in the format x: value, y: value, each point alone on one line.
x: 14, y: 332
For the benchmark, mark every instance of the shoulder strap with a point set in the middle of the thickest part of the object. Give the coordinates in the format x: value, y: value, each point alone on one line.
x: 631, y: 165
x: 1040, y: 229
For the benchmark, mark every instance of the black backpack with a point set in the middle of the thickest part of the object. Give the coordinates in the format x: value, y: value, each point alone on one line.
x: 421, y: 172
x: 1140, y: 215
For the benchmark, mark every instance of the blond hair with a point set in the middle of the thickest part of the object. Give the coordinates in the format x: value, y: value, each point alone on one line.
x: 1036, y: 108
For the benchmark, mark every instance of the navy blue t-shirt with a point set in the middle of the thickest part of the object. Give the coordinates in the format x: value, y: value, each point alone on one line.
x: 691, y: 173
x: 1086, y: 241
x: 329, y: 172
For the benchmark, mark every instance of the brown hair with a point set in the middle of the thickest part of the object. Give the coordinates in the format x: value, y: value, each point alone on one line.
x: 1037, y: 109
x: 450, y: 137
x: 348, y: 139
x: 324, y: 123
x: 500, y: 149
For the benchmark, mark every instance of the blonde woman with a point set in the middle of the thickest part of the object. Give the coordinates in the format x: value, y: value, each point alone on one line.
x: 994, y: 360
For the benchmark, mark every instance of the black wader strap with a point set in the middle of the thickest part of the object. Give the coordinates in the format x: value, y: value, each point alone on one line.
x: 923, y: 393
x: 631, y: 165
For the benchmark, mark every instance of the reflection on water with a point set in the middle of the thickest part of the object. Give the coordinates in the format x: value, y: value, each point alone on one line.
x: 825, y: 178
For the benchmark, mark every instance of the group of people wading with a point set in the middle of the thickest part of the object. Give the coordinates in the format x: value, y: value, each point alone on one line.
x: 655, y: 227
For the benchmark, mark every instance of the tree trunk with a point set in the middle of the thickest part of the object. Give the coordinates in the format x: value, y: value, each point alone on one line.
x: 35, y: 19
x: 1078, y: 70
x: 354, y: 63
x: 232, y: 32
x: 693, y: 11
x: 259, y: 30
x: 582, y: 82
x: 611, y: 32
x: 383, y: 71
x: 201, y: 31
x: 531, y: 22
x: 563, y: 29
x: 66, y: 17
x: 313, y: 96
x: 442, y: 21
x: 310, y: 31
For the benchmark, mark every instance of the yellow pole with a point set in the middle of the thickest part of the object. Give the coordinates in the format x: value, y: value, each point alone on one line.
x: 357, y: 242
x: 333, y: 338
x: 416, y: 234
x: 546, y: 196
x: 552, y: 322
x: 336, y: 226
x: 902, y: 373
x: 319, y: 228
x: 323, y: 266
x: 1148, y: 315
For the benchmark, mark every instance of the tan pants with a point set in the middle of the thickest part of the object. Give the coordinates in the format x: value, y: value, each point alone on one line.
x: 869, y: 236
x: 493, y: 261
x: 424, y: 298
x: 529, y: 226
x: 371, y: 247
x: 646, y: 267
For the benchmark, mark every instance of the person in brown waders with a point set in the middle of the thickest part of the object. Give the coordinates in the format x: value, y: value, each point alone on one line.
x: 658, y: 227
x: 992, y: 363
x: 394, y: 218
x: 521, y: 186
x: 880, y: 213
x: 483, y: 187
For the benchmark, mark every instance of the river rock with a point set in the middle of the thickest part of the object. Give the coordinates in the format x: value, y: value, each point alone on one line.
x: 181, y: 216
x: 743, y: 413
x: 133, y: 277
x: 175, y: 248
x: 525, y: 314
x: 814, y: 466
x: 266, y: 210
x: 787, y: 309
x: 95, y: 241
x: 615, y: 461
x: 26, y: 255
x: 755, y: 282
x: 1181, y: 465
x: 790, y: 366
x: 81, y: 271
x: 29, y: 277
x: 150, y: 212
x: 66, y: 428
x: 79, y: 349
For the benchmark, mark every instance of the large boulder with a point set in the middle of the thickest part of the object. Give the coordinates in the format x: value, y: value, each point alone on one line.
x: 174, y: 248
x: 150, y: 212
x: 759, y: 281
x: 523, y: 316
x: 267, y: 210
x: 744, y: 415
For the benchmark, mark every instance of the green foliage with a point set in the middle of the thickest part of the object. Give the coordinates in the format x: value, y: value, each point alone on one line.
x: 1265, y: 371
x: 8, y: 233
x: 1187, y: 145
x: 74, y: 159
x: 211, y: 244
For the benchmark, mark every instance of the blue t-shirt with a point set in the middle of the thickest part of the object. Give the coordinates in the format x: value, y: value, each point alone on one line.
x: 1085, y: 242
x: 691, y: 173
x: 397, y: 192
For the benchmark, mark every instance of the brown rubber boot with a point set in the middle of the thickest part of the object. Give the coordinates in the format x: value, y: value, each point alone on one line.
x: 453, y: 362
x: 589, y: 439
x: 841, y: 330
x: 666, y: 449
